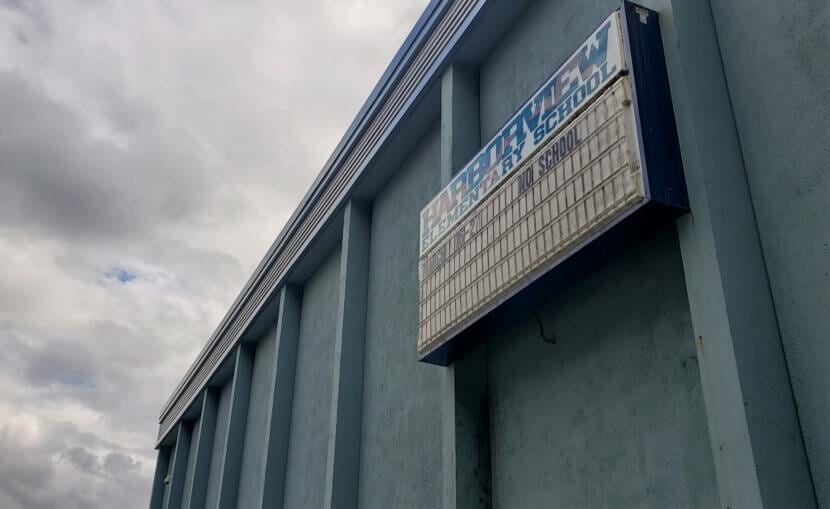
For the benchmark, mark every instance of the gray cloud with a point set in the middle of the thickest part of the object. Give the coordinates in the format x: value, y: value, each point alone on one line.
x: 85, y: 187
x: 58, y: 474
x: 168, y: 141
x: 118, y: 464
x: 84, y: 460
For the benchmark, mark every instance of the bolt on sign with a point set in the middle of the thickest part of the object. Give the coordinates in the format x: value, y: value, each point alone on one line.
x: 593, y: 146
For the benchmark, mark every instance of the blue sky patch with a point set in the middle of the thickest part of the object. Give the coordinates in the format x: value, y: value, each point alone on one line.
x: 120, y: 274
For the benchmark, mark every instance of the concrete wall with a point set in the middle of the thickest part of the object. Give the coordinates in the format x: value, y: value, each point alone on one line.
x: 306, y: 468
x: 222, y: 414
x: 776, y: 58
x: 253, y: 453
x: 400, y: 464
x: 612, y: 415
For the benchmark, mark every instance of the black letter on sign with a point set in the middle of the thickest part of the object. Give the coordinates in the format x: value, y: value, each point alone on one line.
x: 526, y: 180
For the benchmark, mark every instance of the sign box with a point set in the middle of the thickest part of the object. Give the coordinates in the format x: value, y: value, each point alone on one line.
x: 594, y: 147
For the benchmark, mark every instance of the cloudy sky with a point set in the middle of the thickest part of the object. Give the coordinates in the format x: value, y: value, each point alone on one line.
x: 150, y: 151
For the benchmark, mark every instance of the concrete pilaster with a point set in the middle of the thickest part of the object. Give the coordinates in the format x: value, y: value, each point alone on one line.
x: 754, y: 431
x: 280, y: 404
x: 235, y: 436
x: 202, y: 440
x: 162, y: 464
x: 466, y: 431
x: 343, y: 459
x: 465, y: 419
x: 460, y: 132
x: 179, y: 459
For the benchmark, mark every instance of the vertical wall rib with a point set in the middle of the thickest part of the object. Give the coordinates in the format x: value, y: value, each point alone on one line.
x: 180, y: 454
x: 343, y: 459
x: 281, y: 401
x: 465, y: 423
x: 235, y: 435
x: 162, y: 463
x: 202, y: 441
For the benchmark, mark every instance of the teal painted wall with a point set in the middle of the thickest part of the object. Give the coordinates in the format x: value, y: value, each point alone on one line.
x: 400, y: 463
x: 191, y: 463
x: 306, y: 470
x: 613, y: 414
x: 253, y: 452
x: 166, y: 497
x: 222, y: 414
x: 776, y: 58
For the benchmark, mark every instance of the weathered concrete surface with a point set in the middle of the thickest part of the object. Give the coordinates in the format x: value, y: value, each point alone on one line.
x: 306, y: 466
x: 612, y: 414
x: 776, y: 58
x: 400, y: 463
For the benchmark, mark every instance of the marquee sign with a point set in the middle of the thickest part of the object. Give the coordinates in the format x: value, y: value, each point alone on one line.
x: 572, y: 163
x: 573, y: 85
